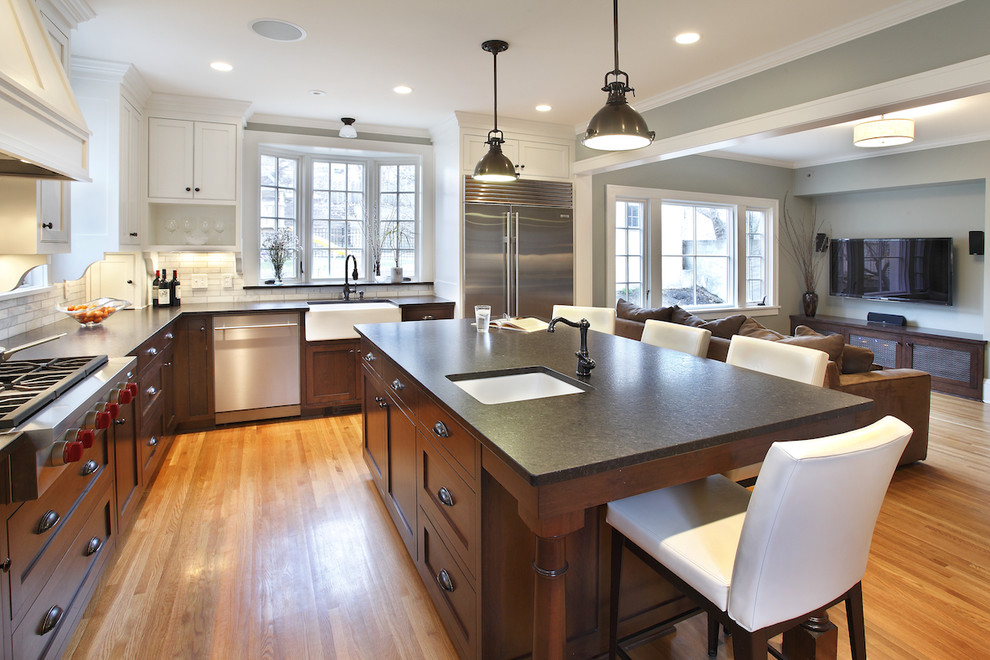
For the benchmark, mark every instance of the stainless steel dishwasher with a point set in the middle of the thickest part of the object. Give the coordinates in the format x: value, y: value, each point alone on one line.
x: 256, y: 366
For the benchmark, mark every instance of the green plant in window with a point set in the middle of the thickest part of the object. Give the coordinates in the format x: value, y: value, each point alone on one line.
x: 388, y: 236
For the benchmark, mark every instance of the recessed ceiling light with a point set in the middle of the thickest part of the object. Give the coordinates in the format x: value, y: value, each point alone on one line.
x: 221, y: 66
x: 543, y: 107
x: 687, y: 38
x: 317, y: 92
x: 277, y: 30
x: 402, y: 89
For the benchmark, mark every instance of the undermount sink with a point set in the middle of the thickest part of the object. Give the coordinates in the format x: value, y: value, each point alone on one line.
x: 512, y: 385
x: 336, y: 320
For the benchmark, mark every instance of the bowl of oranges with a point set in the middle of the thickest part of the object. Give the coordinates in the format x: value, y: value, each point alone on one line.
x: 94, y: 312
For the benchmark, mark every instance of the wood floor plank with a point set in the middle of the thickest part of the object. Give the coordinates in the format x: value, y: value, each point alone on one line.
x: 270, y: 541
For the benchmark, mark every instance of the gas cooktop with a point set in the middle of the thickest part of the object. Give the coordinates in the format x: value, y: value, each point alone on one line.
x: 27, y: 386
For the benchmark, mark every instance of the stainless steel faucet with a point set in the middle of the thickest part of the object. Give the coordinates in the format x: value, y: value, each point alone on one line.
x: 348, y: 287
x: 584, y: 362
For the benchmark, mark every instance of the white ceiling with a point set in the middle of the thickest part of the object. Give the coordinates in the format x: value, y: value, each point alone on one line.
x: 559, y: 51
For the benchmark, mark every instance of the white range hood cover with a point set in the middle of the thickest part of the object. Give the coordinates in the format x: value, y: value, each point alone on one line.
x: 40, y: 121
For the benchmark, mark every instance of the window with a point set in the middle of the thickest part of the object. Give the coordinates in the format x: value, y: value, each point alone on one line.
x: 697, y: 250
x: 331, y: 205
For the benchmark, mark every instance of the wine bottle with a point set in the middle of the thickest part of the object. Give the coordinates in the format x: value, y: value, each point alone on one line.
x: 155, y: 284
x: 164, y: 291
x: 176, y: 290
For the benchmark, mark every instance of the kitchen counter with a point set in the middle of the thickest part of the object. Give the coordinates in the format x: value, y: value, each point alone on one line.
x: 128, y: 328
x: 646, y: 403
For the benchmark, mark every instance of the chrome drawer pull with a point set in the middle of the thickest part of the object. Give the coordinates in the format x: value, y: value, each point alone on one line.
x: 445, y: 497
x: 428, y: 317
x: 369, y: 357
x: 120, y: 420
x: 396, y: 385
x: 443, y: 579
x: 152, y: 351
x: 169, y: 335
x: 93, y: 546
x: 440, y: 430
x: 153, y: 442
x: 151, y: 391
x: 89, y: 468
x: 51, y: 619
x: 48, y: 520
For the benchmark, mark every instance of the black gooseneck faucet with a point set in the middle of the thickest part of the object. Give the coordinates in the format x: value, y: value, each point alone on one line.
x: 584, y: 362
x: 348, y: 287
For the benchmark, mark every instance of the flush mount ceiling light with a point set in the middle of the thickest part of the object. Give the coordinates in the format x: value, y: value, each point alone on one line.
x: 277, y: 30
x: 347, y: 130
x: 495, y: 166
x: 883, y: 132
x: 617, y: 127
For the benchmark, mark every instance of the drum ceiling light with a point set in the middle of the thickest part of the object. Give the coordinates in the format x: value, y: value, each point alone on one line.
x: 883, y: 132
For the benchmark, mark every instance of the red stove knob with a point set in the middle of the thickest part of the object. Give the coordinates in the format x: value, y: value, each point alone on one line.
x: 102, y: 420
x: 133, y: 389
x: 66, y: 452
x: 112, y: 409
x: 86, y: 437
x: 124, y: 396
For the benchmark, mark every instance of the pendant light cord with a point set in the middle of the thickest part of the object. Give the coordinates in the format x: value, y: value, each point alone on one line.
x: 495, y: 87
x: 615, y: 29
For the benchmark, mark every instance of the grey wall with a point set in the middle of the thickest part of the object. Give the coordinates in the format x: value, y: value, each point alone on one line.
x: 701, y: 174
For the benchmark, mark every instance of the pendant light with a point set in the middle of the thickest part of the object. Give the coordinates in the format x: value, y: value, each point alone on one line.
x: 883, y: 132
x: 617, y: 127
x: 494, y: 165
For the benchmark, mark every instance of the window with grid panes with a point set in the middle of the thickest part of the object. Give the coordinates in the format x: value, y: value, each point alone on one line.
x: 397, y: 191
x: 337, y: 215
x: 756, y: 256
x: 629, y: 251
x: 279, y: 182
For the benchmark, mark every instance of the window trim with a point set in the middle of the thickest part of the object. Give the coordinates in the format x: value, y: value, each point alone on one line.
x: 652, y: 249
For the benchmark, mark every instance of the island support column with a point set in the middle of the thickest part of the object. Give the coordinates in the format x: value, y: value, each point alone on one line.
x: 549, y: 594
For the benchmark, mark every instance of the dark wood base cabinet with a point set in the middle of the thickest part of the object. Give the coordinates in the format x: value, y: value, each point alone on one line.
x: 331, y: 374
x: 480, y: 576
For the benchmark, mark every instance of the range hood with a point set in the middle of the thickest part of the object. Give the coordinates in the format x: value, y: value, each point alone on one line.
x: 42, y: 131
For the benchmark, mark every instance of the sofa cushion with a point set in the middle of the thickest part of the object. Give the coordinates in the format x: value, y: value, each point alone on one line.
x: 627, y: 310
x: 724, y: 328
x: 855, y: 359
x: 752, y: 328
x: 833, y: 345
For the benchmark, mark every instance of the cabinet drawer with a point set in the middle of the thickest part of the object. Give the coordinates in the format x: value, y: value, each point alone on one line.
x: 150, y: 391
x: 428, y: 311
x: 46, y: 623
x: 448, y: 586
x: 151, y: 349
x: 400, y: 386
x: 450, y: 502
x: 371, y: 358
x: 450, y: 436
x: 151, y: 445
x: 40, y: 529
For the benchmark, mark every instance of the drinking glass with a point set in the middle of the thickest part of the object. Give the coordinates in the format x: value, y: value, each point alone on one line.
x: 482, y: 315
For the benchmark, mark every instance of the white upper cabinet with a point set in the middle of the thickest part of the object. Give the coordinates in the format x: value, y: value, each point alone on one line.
x: 36, y: 216
x: 536, y: 158
x: 130, y: 174
x: 191, y: 160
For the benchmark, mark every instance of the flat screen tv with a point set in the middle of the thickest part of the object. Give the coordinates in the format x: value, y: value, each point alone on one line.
x: 899, y: 269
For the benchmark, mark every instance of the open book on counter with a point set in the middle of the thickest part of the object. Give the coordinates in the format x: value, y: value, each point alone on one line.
x: 521, y: 323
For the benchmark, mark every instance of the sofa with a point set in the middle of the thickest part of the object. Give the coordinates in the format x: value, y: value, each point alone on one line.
x: 903, y: 393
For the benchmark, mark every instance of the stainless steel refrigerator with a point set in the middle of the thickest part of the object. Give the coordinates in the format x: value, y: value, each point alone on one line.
x: 518, y: 258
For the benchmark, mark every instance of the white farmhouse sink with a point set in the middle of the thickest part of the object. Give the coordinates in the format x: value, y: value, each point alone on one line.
x: 336, y: 320
x: 511, y: 385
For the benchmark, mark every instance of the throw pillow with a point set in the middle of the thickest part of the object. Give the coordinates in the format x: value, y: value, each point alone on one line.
x: 627, y: 310
x: 855, y: 359
x: 724, y: 328
x: 831, y: 344
x: 752, y: 328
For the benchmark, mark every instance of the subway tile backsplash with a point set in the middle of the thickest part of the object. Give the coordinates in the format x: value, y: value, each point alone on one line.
x: 31, y: 311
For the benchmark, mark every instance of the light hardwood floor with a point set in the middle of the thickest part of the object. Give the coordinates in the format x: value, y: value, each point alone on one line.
x: 270, y: 541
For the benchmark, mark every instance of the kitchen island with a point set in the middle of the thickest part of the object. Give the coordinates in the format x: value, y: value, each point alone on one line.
x: 498, y: 503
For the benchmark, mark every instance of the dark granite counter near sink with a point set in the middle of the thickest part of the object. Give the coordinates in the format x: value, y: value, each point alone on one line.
x: 646, y: 403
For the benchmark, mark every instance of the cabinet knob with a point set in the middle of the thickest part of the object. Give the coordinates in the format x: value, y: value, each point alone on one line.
x: 88, y: 468
x: 188, y: 189
x: 47, y: 225
x: 51, y: 619
x: 443, y: 579
x: 5, y: 565
x: 196, y: 189
x: 445, y: 497
x: 121, y: 421
x: 93, y: 546
x: 440, y: 430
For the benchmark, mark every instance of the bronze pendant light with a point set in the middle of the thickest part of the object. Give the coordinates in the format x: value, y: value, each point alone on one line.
x: 495, y: 166
x: 617, y: 127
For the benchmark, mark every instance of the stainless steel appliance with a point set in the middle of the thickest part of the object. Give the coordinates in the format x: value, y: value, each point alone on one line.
x: 256, y: 366
x: 518, y: 247
x: 53, y: 410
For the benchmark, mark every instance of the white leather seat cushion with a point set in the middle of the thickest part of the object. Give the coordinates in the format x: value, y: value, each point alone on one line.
x: 693, y: 529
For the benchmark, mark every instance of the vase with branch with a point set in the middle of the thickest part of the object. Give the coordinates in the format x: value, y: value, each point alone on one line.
x: 388, y: 236
x: 799, y: 243
x: 279, y: 246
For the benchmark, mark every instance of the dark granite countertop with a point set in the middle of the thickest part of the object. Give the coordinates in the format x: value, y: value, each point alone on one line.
x: 128, y: 328
x: 647, y: 402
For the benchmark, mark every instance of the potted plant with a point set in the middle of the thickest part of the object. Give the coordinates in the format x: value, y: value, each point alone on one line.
x: 388, y: 236
x: 798, y: 241
x: 279, y: 246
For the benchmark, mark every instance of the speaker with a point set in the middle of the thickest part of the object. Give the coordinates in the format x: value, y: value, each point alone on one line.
x: 889, y: 319
x: 976, y: 242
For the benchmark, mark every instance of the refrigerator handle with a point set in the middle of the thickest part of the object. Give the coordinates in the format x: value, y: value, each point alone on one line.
x: 509, y: 275
x: 515, y: 269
